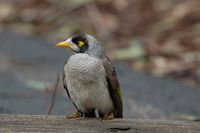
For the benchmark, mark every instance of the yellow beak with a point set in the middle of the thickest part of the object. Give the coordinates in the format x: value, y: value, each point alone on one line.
x: 63, y: 44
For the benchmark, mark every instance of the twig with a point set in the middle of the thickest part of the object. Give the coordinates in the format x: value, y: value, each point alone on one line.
x: 46, y: 93
x: 54, y: 94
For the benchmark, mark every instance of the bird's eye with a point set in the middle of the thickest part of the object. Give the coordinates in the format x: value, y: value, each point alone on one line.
x: 80, y: 43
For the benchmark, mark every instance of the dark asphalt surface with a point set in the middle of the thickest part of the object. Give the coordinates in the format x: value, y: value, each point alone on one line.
x: 27, y: 63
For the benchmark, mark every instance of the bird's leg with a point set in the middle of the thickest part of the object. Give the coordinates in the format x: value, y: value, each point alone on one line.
x: 74, y: 115
x: 108, y: 116
x: 83, y: 116
x: 96, y: 113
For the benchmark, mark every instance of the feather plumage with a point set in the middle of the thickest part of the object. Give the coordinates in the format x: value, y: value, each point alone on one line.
x: 90, y: 79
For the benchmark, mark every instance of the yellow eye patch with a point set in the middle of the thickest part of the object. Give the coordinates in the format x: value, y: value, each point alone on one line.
x: 80, y: 43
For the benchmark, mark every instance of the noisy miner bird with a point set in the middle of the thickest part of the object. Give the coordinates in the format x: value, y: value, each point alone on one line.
x: 90, y: 79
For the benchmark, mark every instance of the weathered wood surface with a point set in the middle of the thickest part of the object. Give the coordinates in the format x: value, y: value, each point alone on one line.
x: 33, y: 123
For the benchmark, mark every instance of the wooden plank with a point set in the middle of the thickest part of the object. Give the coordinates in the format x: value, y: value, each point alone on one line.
x: 41, y: 123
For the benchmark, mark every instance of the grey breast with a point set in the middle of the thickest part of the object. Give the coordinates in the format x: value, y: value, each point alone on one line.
x: 84, y: 67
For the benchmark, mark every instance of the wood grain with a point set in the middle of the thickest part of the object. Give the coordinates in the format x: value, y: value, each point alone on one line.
x: 41, y: 123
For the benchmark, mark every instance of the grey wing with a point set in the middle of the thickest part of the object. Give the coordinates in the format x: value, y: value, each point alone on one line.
x: 113, y: 87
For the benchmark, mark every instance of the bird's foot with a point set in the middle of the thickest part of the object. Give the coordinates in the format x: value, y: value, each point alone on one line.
x: 108, y: 116
x: 74, y: 115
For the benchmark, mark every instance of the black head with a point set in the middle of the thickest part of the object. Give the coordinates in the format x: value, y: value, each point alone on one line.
x: 81, y: 42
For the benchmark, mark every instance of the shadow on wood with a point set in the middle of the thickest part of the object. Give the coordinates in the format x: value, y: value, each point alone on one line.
x: 41, y: 123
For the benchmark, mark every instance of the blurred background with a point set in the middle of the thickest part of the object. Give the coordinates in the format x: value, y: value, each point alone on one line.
x: 155, y: 45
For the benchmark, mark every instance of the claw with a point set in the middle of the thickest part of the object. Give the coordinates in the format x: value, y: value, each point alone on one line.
x: 109, y: 116
x: 74, y: 115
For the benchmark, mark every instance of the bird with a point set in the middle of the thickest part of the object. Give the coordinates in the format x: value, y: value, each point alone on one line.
x: 90, y: 79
